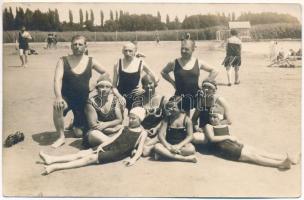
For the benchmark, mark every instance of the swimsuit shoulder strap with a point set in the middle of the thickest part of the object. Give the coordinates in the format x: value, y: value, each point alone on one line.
x: 184, y: 122
x: 119, y: 65
x: 140, y: 66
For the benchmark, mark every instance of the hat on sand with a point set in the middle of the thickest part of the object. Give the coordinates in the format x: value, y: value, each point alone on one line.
x: 104, y: 80
x: 140, y: 112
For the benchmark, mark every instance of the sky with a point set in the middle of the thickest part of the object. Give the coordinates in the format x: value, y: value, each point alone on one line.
x: 172, y: 9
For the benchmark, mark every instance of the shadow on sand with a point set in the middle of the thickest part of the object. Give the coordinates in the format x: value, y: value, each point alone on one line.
x: 48, y: 137
x: 16, y: 66
x: 78, y: 144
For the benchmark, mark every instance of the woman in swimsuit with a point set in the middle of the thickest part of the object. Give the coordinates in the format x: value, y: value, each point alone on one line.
x: 103, y: 112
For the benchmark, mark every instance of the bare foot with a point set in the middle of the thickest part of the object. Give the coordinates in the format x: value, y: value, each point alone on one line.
x: 47, y: 170
x: 58, y: 142
x: 192, y: 159
x: 286, y: 164
x: 295, y: 159
x: 45, y: 158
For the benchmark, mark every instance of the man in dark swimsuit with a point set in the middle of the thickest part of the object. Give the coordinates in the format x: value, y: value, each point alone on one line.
x: 22, y: 44
x: 186, y: 71
x: 71, y: 86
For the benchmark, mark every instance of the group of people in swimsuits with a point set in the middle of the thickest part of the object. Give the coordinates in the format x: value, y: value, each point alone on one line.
x: 127, y: 118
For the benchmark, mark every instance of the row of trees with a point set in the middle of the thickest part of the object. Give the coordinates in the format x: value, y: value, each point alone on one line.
x: 123, y: 21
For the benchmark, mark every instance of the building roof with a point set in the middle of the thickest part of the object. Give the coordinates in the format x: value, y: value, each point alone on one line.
x: 243, y: 24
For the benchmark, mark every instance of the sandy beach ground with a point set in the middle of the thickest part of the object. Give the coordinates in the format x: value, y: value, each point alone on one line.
x: 265, y: 109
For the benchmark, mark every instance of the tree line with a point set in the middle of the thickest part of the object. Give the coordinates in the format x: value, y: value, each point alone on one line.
x: 124, y: 21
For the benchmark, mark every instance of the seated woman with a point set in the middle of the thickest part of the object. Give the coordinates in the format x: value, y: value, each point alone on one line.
x: 103, y: 112
x: 207, y: 100
x: 153, y: 104
x: 226, y: 146
x: 175, y: 134
x: 113, y: 149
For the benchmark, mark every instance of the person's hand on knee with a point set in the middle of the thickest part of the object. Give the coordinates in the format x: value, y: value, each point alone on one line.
x: 59, y: 104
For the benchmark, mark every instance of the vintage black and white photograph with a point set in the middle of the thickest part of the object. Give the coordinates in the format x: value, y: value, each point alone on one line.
x: 151, y: 99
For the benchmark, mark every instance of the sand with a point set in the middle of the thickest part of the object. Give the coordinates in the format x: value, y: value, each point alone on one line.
x: 265, y: 110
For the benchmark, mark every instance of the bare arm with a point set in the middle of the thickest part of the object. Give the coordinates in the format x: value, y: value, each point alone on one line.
x: 227, y: 118
x: 140, y: 148
x: 150, y: 72
x: 165, y: 73
x: 91, y: 116
x: 206, y: 67
x: 97, y: 66
x: 189, y: 137
x: 115, y: 84
x: 195, y: 117
x: 58, y: 79
x: 59, y: 103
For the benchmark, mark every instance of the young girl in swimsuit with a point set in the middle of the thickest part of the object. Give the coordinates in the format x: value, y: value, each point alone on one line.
x: 208, y: 99
x: 175, y: 134
x: 228, y: 147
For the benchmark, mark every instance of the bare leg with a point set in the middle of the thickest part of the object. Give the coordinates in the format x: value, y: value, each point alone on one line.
x: 266, y: 154
x: 188, y: 150
x: 236, y: 77
x: 77, y: 132
x: 160, y: 149
x: 59, y: 125
x: 25, y: 59
x: 96, y: 137
x: 48, y: 159
x: 249, y: 155
x: 22, y: 61
x: 87, y: 160
x: 199, y: 138
x: 228, y: 69
x: 149, y: 145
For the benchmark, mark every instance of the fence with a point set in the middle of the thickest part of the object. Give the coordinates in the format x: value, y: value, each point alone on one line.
x: 166, y: 35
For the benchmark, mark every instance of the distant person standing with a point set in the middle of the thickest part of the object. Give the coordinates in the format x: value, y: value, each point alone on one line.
x: 233, y: 57
x: 273, y: 51
x: 22, y: 44
x: 188, y: 37
x: 49, y: 40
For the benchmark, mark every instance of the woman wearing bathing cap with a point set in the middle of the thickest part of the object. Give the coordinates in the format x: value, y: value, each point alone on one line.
x: 129, y: 139
x: 127, y: 75
x: 103, y: 112
x: 175, y: 134
x: 207, y: 100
